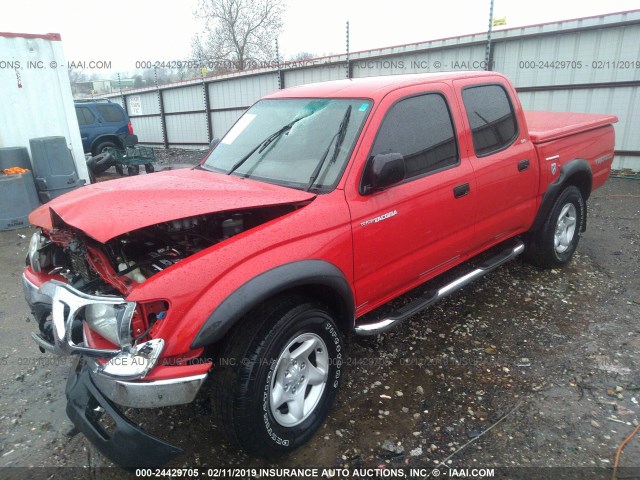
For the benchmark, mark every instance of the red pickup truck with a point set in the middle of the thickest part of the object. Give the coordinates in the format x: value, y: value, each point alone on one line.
x: 321, y: 204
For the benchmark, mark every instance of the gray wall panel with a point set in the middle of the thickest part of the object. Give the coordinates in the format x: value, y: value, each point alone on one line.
x: 188, y: 127
x: 148, y: 101
x: 148, y: 129
x: 222, y: 121
x: 323, y: 73
x: 241, y: 91
x: 597, y: 50
x: 183, y: 99
x: 593, y: 56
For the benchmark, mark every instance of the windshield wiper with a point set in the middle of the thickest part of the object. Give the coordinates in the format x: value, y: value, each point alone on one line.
x: 265, y: 143
x: 340, y: 134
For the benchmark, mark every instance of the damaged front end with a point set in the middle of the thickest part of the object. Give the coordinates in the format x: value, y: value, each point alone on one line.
x: 110, y: 371
x: 77, y: 289
x: 93, y: 279
x: 84, y: 277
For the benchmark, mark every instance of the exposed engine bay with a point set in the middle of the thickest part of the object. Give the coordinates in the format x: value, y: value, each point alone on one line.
x: 113, y: 268
x: 138, y: 255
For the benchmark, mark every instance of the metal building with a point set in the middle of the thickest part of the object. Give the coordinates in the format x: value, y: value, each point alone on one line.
x: 585, y: 65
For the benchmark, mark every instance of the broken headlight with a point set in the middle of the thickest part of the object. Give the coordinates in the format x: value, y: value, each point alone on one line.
x: 111, y: 321
x: 35, y: 257
x: 135, y: 362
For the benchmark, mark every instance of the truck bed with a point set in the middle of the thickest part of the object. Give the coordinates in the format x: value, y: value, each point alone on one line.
x: 547, y: 126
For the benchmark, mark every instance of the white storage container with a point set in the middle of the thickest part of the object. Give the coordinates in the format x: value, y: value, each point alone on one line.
x: 35, y: 94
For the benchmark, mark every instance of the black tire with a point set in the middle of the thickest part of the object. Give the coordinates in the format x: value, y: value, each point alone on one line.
x: 148, y: 167
x: 103, y: 146
x: 542, y: 250
x: 119, y: 169
x: 251, y: 365
x: 101, y: 163
x: 133, y: 170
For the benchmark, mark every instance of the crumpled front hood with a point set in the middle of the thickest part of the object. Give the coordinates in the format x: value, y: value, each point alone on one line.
x: 108, y: 209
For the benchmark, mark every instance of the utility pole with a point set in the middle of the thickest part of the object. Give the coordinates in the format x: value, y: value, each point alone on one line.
x: 348, y: 59
x: 487, y: 54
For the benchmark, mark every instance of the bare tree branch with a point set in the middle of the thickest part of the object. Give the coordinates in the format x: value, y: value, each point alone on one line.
x: 238, y: 31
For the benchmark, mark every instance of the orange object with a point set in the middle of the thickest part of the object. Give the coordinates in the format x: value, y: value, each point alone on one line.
x: 14, y: 170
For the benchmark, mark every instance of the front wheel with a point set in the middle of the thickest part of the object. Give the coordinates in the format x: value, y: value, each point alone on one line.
x: 557, y: 241
x: 282, y: 372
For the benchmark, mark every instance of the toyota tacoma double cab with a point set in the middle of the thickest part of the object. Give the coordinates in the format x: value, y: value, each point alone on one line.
x: 321, y: 204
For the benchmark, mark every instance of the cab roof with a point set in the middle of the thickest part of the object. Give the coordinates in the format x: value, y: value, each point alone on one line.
x: 372, y: 87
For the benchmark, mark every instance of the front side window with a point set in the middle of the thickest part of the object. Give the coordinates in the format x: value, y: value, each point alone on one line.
x: 303, y: 143
x: 493, y: 123
x: 421, y: 130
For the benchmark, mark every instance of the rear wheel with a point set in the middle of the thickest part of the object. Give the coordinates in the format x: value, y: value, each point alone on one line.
x: 279, y: 376
x: 133, y: 170
x: 554, y: 245
x: 103, y: 147
x: 148, y: 167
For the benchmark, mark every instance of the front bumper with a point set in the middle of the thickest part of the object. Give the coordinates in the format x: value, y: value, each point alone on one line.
x: 138, y: 393
x: 91, y: 394
x: 126, y: 444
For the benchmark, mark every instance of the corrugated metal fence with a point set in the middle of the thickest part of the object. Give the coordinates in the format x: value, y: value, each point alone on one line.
x: 583, y: 65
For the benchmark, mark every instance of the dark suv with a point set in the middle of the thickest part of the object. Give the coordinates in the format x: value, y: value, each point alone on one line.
x: 102, y: 124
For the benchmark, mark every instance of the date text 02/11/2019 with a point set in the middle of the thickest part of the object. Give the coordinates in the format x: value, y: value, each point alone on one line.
x: 579, y: 64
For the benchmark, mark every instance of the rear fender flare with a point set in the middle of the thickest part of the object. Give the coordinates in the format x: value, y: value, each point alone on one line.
x: 569, y: 171
x: 310, y: 273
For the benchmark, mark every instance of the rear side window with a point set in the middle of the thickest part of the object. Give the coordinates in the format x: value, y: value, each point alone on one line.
x: 111, y: 113
x: 421, y: 129
x: 491, y: 117
x: 85, y: 117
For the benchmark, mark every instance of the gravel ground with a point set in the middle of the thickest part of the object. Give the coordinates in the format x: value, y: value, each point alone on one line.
x: 552, y: 357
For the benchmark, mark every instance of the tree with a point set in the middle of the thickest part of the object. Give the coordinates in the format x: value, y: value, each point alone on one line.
x: 76, y: 76
x: 241, y: 33
x: 302, y: 56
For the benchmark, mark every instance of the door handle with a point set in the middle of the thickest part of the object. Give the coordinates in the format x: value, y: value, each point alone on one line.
x: 523, y: 165
x: 461, y: 190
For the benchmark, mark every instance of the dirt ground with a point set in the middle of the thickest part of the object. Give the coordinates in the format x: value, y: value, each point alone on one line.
x: 553, y: 356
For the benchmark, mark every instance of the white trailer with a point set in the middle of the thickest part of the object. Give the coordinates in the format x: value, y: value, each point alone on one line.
x: 35, y: 94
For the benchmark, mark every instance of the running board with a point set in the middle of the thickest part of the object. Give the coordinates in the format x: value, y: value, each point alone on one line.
x: 433, y: 296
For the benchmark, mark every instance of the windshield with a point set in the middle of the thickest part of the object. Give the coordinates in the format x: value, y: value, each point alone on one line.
x: 300, y: 143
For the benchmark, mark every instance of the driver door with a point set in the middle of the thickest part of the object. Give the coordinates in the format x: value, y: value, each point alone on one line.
x: 416, y: 229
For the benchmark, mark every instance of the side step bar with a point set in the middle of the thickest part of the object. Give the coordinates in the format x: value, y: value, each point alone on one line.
x: 433, y: 296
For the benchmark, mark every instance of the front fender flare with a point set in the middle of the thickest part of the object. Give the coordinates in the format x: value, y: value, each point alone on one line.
x: 268, y: 284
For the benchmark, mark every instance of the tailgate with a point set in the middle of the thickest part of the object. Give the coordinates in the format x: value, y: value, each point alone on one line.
x: 547, y: 126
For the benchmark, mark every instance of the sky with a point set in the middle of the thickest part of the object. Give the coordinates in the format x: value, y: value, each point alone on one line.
x: 126, y: 31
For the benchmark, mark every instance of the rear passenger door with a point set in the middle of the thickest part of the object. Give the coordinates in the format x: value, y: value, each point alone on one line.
x: 413, y: 230
x: 503, y: 159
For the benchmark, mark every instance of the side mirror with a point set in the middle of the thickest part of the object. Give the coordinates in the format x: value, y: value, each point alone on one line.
x: 214, y: 143
x: 385, y: 169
